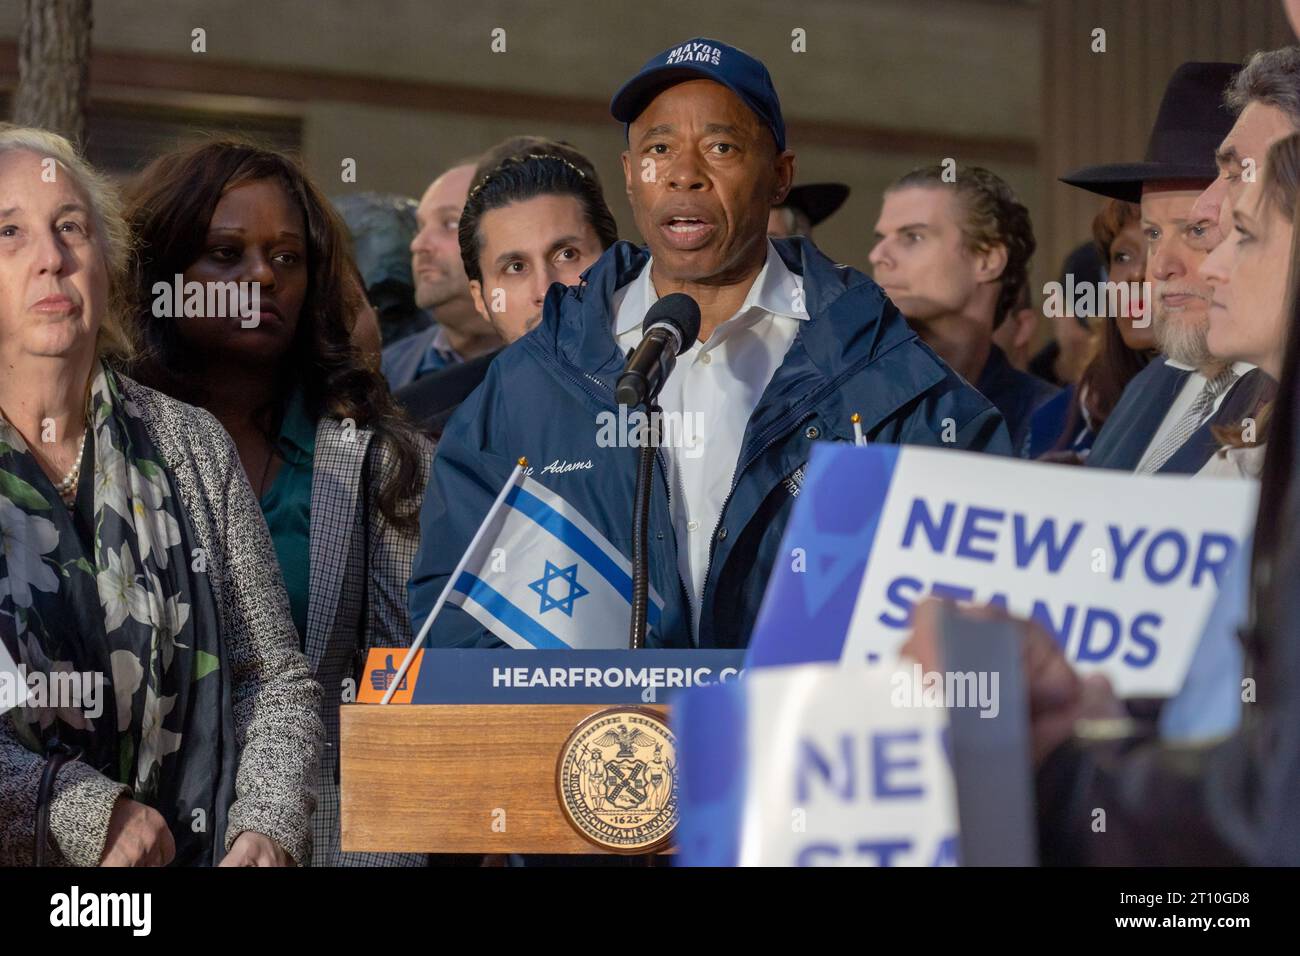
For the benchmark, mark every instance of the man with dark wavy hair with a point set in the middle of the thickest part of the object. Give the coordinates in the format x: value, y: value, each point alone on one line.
x: 952, y: 250
x: 535, y: 216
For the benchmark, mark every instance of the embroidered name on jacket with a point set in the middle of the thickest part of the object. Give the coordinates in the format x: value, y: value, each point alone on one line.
x: 794, y: 484
x: 558, y: 467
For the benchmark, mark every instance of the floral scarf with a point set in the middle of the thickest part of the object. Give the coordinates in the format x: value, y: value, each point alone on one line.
x: 136, y: 612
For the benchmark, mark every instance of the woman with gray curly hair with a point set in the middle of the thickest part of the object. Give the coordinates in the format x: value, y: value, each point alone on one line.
x: 134, y: 556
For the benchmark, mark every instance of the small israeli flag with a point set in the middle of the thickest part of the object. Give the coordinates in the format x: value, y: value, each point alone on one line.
x: 541, y: 577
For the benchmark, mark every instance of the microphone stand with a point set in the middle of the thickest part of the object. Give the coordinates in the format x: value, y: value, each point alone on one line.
x: 640, y: 528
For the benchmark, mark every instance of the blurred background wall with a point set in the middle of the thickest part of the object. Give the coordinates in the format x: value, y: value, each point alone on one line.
x: 1099, y: 107
x: 406, y: 87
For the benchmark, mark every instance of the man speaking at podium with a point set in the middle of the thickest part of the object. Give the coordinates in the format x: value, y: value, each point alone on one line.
x: 790, y: 346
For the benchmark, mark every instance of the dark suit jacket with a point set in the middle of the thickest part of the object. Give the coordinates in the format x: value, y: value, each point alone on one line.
x: 1123, y: 440
x: 1242, y: 401
x: 1139, y: 412
x: 432, y: 399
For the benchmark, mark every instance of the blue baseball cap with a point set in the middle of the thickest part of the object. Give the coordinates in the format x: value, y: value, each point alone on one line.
x: 707, y: 59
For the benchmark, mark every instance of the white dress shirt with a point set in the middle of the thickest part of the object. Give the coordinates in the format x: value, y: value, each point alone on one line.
x: 708, y: 399
x: 1192, y: 387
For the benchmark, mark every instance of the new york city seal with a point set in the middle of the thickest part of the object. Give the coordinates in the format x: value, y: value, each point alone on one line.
x: 616, y: 777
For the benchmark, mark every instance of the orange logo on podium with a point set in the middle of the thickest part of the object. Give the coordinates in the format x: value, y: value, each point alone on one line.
x: 381, y: 671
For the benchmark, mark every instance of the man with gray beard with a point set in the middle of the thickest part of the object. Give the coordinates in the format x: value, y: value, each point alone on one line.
x: 1180, y: 320
x: 1164, y: 421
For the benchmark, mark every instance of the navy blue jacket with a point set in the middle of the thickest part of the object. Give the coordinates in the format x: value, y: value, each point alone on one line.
x: 542, y: 396
x: 1016, y: 394
x: 1047, y: 425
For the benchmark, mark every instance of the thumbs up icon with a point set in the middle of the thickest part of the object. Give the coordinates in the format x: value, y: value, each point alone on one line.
x: 381, y: 679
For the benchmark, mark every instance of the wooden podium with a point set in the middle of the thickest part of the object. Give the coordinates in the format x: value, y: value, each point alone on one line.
x: 457, y: 778
x: 464, y: 760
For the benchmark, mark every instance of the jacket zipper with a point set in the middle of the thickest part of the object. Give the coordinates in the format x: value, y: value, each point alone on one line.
x: 777, y: 431
x: 792, y: 421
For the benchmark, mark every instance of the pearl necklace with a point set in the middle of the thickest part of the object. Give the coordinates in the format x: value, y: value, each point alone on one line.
x: 67, y: 485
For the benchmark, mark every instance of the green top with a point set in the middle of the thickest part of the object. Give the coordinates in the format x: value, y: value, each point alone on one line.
x: 287, y: 506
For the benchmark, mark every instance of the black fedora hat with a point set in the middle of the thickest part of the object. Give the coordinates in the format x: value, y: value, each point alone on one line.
x: 817, y: 201
x: 1191, y: 124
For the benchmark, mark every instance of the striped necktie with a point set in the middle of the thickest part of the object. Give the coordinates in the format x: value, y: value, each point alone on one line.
x: 1190, y: 421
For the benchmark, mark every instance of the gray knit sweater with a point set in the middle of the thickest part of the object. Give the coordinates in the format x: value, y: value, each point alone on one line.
x: 276, y: 703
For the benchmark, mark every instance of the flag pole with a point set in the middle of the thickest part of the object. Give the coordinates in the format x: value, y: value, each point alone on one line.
x: 451, y: 581
x: 858, y: 438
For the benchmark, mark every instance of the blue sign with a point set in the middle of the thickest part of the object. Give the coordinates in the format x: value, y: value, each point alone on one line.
x: 495, y: 676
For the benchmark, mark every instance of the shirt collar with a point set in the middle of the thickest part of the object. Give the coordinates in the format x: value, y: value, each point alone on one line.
x: 775, y: 289
x: 442, y: 345
x: 1240, y: 368
x: 297, y: 441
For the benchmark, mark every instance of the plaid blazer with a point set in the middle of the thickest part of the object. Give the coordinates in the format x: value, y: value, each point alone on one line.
x: 360, y: 564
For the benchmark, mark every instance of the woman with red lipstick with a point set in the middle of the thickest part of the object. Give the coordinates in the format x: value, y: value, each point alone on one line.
x: 334, y: 464
x: 1126, y: 342
x: 132, y: 560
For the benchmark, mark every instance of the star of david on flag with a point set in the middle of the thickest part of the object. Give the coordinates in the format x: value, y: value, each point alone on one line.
x: 568, y: 575
x: 541, y: 577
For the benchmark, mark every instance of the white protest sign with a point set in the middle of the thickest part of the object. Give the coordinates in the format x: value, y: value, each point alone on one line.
x: 1122, y: 568
x: 845, y: 766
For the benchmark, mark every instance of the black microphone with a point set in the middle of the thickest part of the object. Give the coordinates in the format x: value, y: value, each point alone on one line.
x: 671, y: 327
